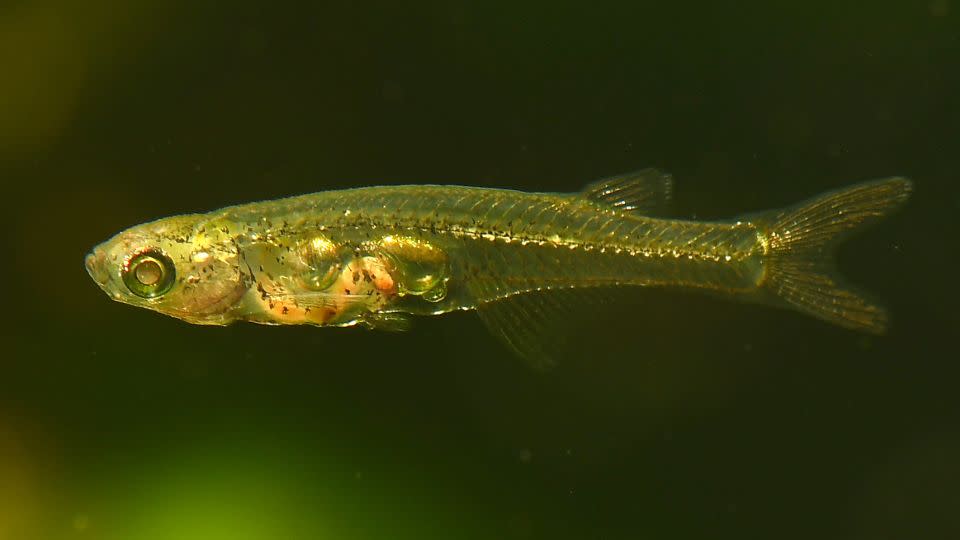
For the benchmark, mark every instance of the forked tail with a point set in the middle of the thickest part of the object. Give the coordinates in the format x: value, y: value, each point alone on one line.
x: 799, y: 248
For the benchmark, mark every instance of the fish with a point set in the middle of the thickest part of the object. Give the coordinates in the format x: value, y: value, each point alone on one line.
x: 378, y: 256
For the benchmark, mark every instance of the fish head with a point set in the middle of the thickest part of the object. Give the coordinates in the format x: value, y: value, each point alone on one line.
x: 186, y: 266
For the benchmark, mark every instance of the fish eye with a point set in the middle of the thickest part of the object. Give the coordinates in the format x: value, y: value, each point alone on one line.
x: 149, y: 273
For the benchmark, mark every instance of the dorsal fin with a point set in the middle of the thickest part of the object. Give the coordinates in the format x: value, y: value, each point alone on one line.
x: 645, y: 192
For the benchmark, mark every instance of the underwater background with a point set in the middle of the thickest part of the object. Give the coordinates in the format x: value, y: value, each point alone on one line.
x: 674, y: 415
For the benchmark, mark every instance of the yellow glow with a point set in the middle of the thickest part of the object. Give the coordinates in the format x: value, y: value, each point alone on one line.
x: 19, y: 494
x: 42, y: 88
x: 207, y: 496
x: 81, y: 522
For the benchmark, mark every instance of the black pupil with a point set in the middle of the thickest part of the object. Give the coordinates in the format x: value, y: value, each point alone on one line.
x: 148, y: 272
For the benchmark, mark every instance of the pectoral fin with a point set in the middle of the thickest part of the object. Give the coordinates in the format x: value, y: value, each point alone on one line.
x: 389, y: 322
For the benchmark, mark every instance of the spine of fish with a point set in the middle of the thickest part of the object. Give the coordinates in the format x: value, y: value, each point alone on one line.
x: 798, y: 245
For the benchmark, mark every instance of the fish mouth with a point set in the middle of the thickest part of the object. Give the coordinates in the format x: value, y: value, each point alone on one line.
x: 95, y: 262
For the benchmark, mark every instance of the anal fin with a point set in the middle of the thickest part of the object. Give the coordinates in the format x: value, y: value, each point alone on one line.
x: 537, y: 325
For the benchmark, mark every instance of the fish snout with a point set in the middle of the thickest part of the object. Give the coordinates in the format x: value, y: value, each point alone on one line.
x: 95, y: 262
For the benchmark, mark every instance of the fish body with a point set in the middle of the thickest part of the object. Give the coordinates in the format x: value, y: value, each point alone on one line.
x: 374, y: 256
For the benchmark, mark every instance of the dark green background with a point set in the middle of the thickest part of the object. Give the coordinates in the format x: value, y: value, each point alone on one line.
x: 674, y: 416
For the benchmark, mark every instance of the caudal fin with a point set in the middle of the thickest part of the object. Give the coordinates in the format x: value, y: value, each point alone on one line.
x: 800, y: 242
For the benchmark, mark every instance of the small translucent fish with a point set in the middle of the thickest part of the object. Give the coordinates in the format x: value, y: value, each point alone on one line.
x: 374, y: 256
